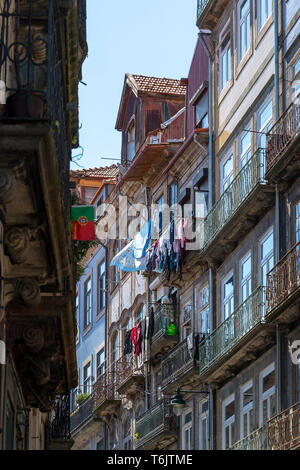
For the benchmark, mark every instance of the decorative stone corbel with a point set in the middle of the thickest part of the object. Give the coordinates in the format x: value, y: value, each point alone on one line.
x: 29, y: 291
x: 17, y: 244
x: 7, y: 185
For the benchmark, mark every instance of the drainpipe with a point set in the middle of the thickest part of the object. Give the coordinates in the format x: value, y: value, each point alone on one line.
x: 276, y: 56
x: 148, y: 304
x: 278, y: 368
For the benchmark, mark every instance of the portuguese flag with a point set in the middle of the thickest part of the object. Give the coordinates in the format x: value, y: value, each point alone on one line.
x: 83, y: 223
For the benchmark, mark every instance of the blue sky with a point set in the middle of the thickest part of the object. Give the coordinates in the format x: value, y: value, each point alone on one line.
x: 147, y: 37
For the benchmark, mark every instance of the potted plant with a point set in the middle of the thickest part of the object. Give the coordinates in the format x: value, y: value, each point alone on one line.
x: 81, y: 398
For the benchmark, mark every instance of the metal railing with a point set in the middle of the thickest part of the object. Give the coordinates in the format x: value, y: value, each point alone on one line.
x: 164, y: 315
x: 177, y: 362
x: 284, y: 429
x: 249, y: 314
x: 243, y: 184
x: 153, y: 422
x: 284, y: 278
x: 82, y: 413
x: 282, y: 133
x: 257, y: 440
x: 127, y: 367
x: 60, y: 424
x: 201, y: 7
x: 105, y: 388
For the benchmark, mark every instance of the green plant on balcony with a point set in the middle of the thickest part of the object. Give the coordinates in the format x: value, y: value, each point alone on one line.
x: 81, y: 398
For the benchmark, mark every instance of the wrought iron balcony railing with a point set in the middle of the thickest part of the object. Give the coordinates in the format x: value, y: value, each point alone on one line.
x: 243, y: 184
x: 60, y: 424
x: 283, y: 279
x: 284, y: 429
x: 249, y: 314
x: 282, y: 133
x: 201, y: 7
x: 164, y: 316
x: 105, y: 389
x: 82, y: 414
x: 129, y: 366
x: 257, y: 440
x: 153, y: 422
x: 177, y: 362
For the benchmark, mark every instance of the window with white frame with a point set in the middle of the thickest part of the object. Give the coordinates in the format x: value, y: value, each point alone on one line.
x: 187, y: 430
x: 87, y: 378
x: 264, y: 122
x: 224, y: 58
x: 264, y: 11
x: 247, y: 411
x: 295, y: 80
x: 244, y: 31
x: 87, y: 302
x: 228, y: 296
x: 100, y: 362
x: 226, y: 172
x: 204, y: 310
x: 201, y: 111
x: 131, y: 142
x: 228, y: 422
x: 245, y: 150
x: 101, y: 275
x: 246, y: 274
x: 203, y: 425
x: 266, y: 256
x: 267, y: 394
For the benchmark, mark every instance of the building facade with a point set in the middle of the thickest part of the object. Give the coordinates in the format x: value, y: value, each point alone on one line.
x: 39, y: 76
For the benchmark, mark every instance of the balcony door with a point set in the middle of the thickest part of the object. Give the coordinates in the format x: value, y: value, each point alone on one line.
x: 227, y: 331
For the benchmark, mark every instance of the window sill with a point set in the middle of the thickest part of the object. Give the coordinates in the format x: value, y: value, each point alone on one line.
x: 262, y: 32
x: 225, y: 90
x: 243, y: 62
x: 100, y: 314
x: 87, y: 329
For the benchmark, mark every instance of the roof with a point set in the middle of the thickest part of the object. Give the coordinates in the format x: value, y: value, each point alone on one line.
x: 107, y: 172
x: 169, y: 86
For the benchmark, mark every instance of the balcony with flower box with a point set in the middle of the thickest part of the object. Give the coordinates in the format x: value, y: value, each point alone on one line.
x: 239, y: 208
x: 130, y: 375
x: 237, y: 341
x: 283, y: 147
x: 156, y: 428
x: 283, y: 287
x: 165, y: 331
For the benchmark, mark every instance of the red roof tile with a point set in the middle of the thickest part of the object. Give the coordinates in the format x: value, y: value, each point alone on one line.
x: 167, y: 86
x: 107, y: 172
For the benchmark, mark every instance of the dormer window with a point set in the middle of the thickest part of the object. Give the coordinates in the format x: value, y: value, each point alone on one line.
x: 131, y: 142
x: 201, y: 111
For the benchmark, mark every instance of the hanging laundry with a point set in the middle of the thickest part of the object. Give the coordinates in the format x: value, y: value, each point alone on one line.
x: 151, y: 324
x: 127, y: 343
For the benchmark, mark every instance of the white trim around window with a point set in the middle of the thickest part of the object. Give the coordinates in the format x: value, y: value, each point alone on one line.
x: 228, y: 423
x: 268, y: 396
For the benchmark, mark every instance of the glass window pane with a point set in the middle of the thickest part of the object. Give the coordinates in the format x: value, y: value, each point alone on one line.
x: 269, y: 381
x: 267, y: 246
x: 229, y: 410
x: 228, y: 287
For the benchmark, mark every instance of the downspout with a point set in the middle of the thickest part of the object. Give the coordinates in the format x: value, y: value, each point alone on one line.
x: 148, y: 304
x: 278, y: 368
x: 276, y: 55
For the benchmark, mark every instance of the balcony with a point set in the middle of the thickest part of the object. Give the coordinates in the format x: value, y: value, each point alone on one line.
x: 156, y: 429
x: 238, y: 339
x: 162, y: 339
x: 284, y: 430
x: 58, y: 434
x: 209, y: 12
x: 106, y: 398
x: 283, y: 283
x: 257, y: 440
x: 283, y: 146
x: 82, y: 415
x: 179, y: 368
x: 130, y: 377
x: 245, y: 200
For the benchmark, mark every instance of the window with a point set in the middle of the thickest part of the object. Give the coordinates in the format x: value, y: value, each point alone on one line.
x: 264, y: 10
x: 203, y: 426
x: 87, y: 302
x: 160, y: 204
x: 297, y: 222
x: 201, y: 111
x: 187, y: 431
x: 228, y: 296
x: 228, y: 422
x: 101, y: 286
x: 77, y: 315
x: 267, y: 402
x: 141, y: 314
x: 201, y: 204
x: 158, y: 386
x: 247, y: 412
x: 246, y: 271
x: 87, y: 378
x: 100, y: 363
x: 225, y: 59
x: 264, y: 123
x: 204, y: 311
x: 266, y: 256
x: 244, y: 148
x: 173, y: 198
x: 127, y: 435
x: 295, y: 80
x: 226, y: 173
x: 243, y: 28
x: 116, y: 269
x: 115, y: 349
x: 131, y: 142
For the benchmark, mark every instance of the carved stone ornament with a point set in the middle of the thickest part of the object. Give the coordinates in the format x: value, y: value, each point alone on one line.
x: 7, y: 185
x: 17, y: 244
x: 34, y: 339
x: 29, y: 291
